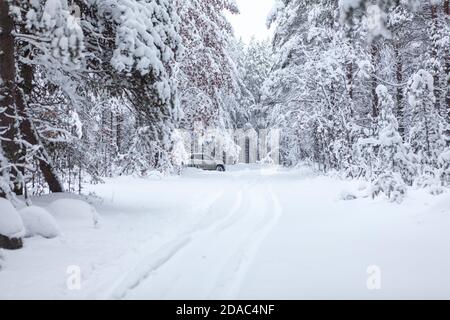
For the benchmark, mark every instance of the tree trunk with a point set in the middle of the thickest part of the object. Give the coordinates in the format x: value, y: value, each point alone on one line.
x: 119, y: 120
x: 447, y: 69
x: 10, y: 243
x: 350, y: 79
x: 30, y: 134
x: 374, y: 84
x: 32, y: 137
x: 7, y: 92
x: 7, y: 89
x: 399, y: 94
x: 434, y: 54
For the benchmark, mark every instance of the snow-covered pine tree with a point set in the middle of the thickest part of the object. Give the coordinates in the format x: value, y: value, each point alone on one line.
x: 239, y: 103
x: 133, y: 47
x: 155, y: 45
x: 47, y: 39
x: 254, y: 62
x: 206, y: 68
x: 399, y: 22
x: 393, y: 168
x: 257, y: 63
x: 210, y: 89
x: 426, y: 135
x: 312, y: 91
x: 325, y: 93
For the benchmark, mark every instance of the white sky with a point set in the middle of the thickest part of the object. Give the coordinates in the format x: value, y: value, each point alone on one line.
x: 252, y: 20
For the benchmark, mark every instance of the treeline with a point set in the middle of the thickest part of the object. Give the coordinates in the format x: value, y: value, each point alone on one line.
x: 363, y: 88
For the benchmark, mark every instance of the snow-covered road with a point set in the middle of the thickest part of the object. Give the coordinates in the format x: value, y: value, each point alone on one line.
x: 213, y: 261
x: 248, y: 233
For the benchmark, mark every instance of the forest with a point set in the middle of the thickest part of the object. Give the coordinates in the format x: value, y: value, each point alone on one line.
x: 362, y: 87
x: 93, y: 89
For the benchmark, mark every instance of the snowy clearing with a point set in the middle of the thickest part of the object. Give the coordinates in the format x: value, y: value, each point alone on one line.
x: 249, y: 233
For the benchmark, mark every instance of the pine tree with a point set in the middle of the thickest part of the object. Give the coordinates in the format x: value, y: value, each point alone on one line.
x: 256, y: 66
x: 393, y: 167
x: 426, y: 134
x: 206, y: 68
x: 210, y: 88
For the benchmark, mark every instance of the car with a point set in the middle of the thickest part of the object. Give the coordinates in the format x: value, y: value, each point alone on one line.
x: 205, y: 162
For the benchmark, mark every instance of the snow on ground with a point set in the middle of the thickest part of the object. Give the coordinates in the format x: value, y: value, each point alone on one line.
x: 39, y: 222
x: 250, y: 233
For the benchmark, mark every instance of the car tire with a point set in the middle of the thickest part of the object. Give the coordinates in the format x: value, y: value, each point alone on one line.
x: 220, y: 168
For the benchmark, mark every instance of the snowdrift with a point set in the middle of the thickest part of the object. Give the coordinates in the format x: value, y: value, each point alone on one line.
x: 39, y: 222
x: 11, y: 224
x: 74, y: 213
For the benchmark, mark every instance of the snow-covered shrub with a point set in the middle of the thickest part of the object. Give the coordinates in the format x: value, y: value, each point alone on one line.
x: 267, y: 160
x: 393, y: 155
x: 39, y: 222
x: 362, y: 191
x: 11, y: 224
x: 72, y: 212
x: 391, y: 185
x: 436, y: 190
x: 430, y: 181
x: 432, y: 178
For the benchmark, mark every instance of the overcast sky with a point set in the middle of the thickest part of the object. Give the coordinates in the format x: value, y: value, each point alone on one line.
x: 252, y: 20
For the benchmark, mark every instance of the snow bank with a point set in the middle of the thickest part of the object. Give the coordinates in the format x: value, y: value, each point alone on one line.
x: 39, y: 222
x: 74, y: 213
x: 11, y: 224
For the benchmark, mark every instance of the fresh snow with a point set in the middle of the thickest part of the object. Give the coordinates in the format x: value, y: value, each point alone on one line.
x: 39, y: 222
x: 74, y: 212
x: 248, y: 233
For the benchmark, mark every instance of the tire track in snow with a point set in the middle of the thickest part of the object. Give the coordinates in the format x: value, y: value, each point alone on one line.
x: 146, y: 267
x: 149, y: 266
x: 234, y: 271
x: 214, y: 263
x: 100, y: 288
